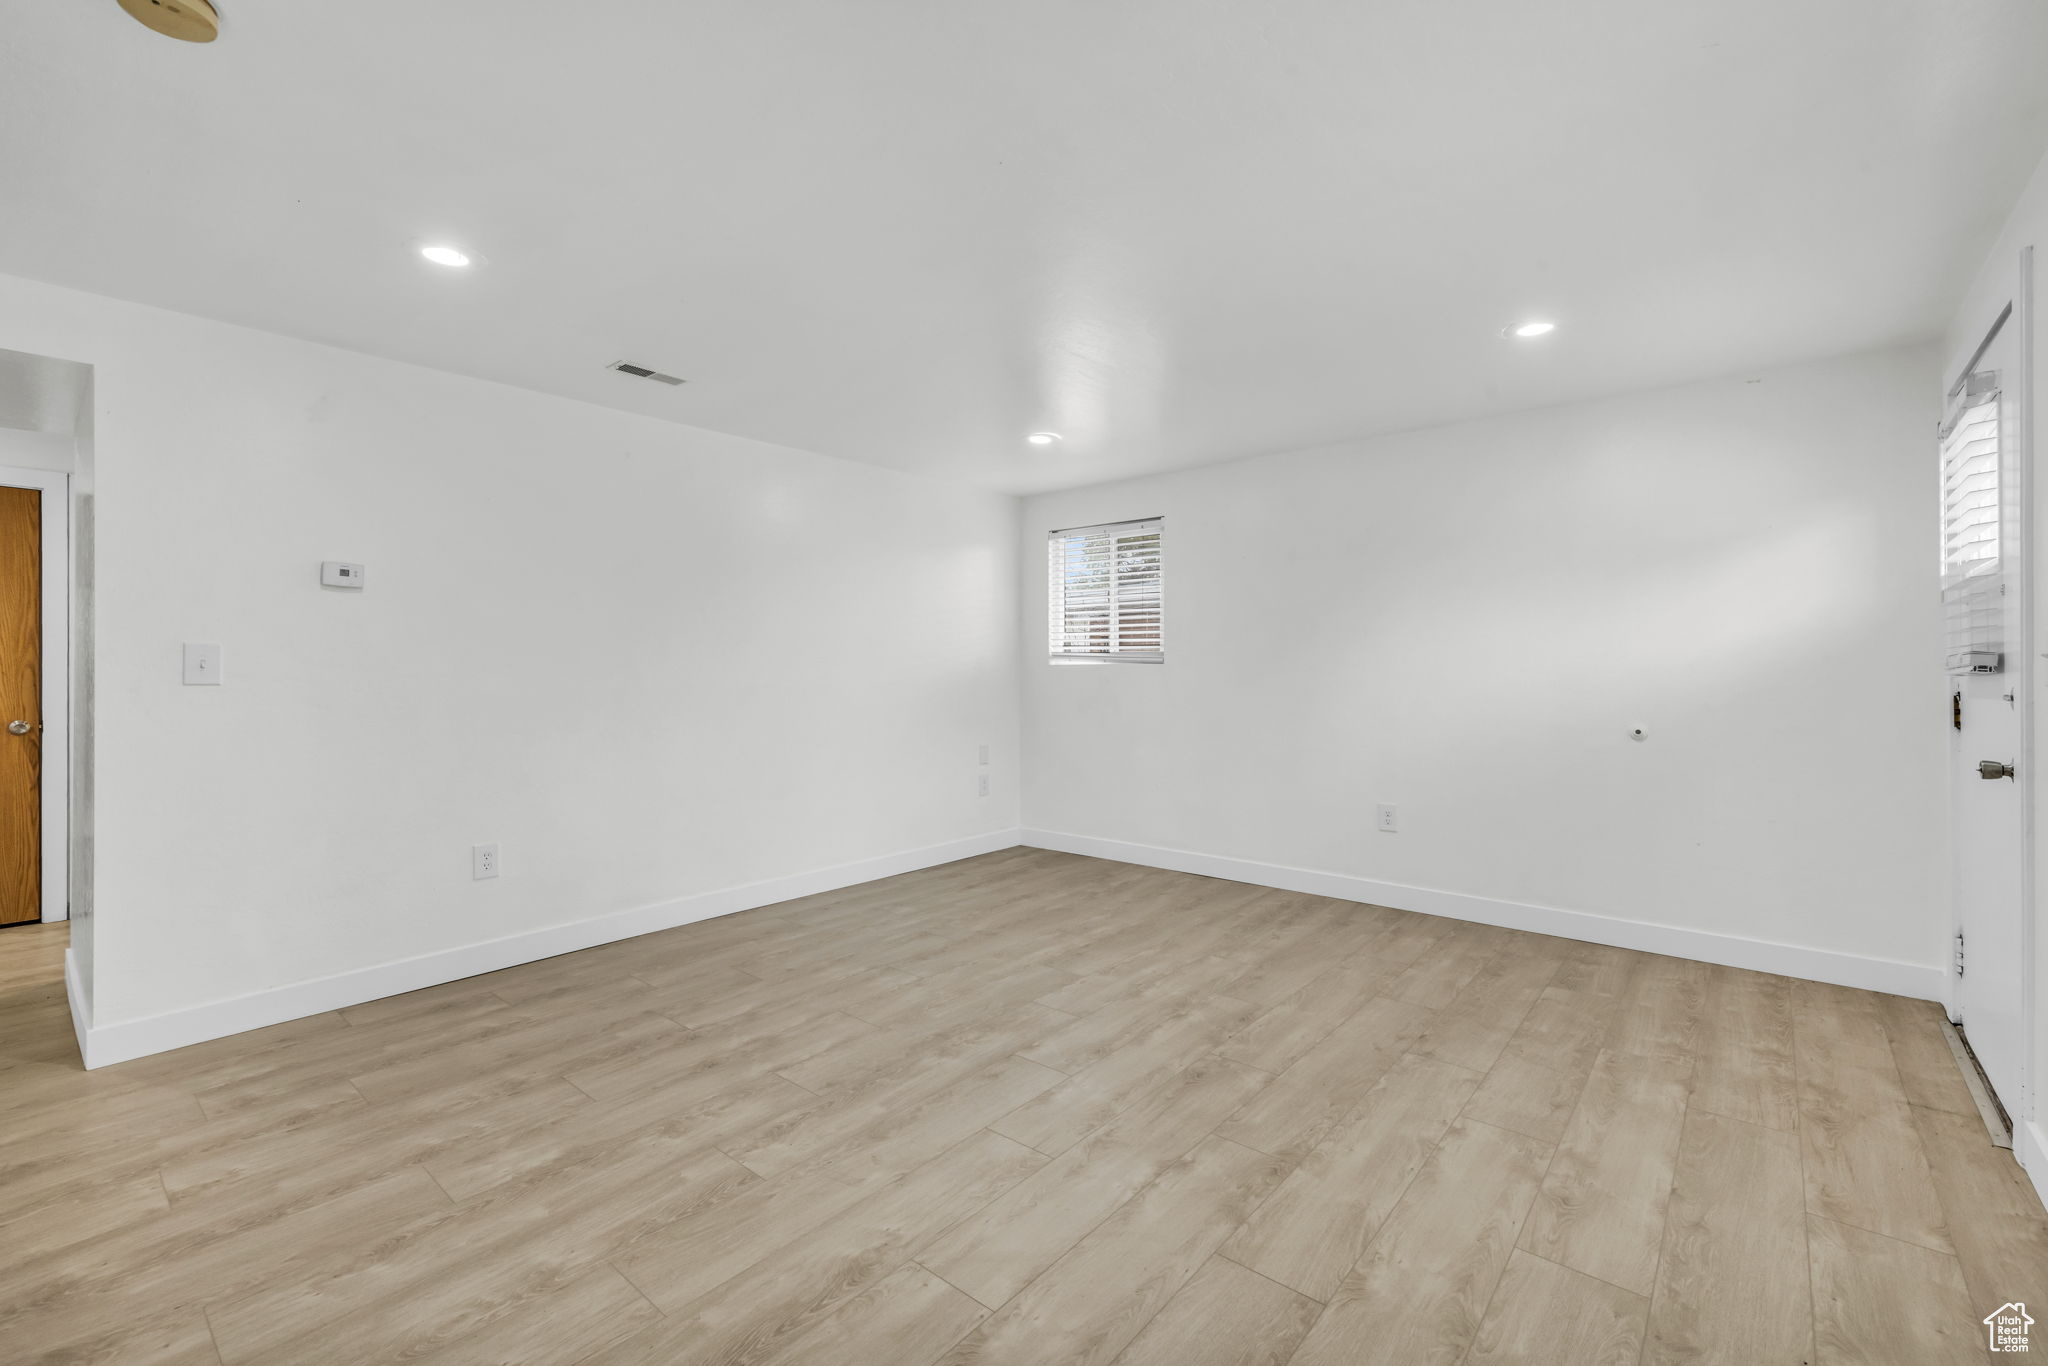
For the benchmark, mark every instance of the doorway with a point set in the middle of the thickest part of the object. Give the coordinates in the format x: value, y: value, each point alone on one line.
x: 1985, y: 547
x: 34, y: 643
x: 21, y: 703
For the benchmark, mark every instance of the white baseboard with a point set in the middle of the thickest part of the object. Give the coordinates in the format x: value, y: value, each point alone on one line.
x: 1921, y: 981
x: 80, y: 999
x: 101, y: 1045
x: 2030, y: 1146
x: 121, y: 1040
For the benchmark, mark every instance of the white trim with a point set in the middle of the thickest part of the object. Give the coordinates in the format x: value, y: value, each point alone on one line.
x: 80, y: 999
x: 1156, y: 523
x: 2025, y: 1108
x: 55, y: 486
x: 1920, y: 980
x: 121, y: 1040
x: 1106, y: 659
x: 2030, y: 1148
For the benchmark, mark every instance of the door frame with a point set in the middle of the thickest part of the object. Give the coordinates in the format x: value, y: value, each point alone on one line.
x: 56, y: 624
x: 2013, y: 309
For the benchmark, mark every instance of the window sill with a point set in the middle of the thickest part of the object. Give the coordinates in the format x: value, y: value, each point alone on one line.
x: 1068, y: 661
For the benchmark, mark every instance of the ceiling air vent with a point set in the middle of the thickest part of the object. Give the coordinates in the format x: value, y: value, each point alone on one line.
x: 626, y: 367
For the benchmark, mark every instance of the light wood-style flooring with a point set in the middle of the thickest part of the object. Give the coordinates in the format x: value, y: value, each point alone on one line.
x: 1026, y: 1108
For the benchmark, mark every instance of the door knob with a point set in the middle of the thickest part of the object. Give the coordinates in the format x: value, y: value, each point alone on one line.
x: 17, y: 727
x: 1989, y: 768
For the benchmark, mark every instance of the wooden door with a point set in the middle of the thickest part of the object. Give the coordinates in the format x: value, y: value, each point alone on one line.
x: 21, y: 711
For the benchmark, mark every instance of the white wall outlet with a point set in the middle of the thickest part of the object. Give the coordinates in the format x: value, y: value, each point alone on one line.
x: 341, y: 574
x: 1389, y: 818
x: 984, y: 756
x: 982, y: 779
x: 483, y: 859
x: 202, y: 665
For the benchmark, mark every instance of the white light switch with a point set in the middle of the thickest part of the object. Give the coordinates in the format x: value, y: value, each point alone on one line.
x: 202, y: 664
x: 341, y: 574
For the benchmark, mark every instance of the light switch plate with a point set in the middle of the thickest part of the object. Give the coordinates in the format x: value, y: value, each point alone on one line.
x: 340, y: 574
x: 202, y: 665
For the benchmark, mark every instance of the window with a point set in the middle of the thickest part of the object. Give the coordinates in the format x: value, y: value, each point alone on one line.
x: 1972, y: 571
x: 1106, y: 588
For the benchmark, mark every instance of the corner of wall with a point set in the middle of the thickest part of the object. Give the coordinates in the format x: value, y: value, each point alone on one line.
x: 79, y: 995
x: 121, y: 1040
x: 1917, y: 980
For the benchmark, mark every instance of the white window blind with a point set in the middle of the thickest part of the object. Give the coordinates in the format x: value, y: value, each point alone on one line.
x: 1972, y: 566
x: 1106, y: 592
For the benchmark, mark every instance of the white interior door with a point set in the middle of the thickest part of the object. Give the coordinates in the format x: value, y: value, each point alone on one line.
x: 1983, y: 552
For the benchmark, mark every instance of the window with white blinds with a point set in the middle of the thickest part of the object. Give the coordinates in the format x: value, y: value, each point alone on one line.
x: 1106, y: 592
x: 1972, y: 565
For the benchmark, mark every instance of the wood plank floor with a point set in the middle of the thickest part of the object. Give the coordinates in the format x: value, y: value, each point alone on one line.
x: 1025, y: 1108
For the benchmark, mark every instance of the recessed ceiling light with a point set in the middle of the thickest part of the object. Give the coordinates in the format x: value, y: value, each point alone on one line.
x: 1532, y: 329
x: 445, y: 256
x: 1043, y: 438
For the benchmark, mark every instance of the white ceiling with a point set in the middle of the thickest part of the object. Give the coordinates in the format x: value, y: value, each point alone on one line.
x: 1177, y: 231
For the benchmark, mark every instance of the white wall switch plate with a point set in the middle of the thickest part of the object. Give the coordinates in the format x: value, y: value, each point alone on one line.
x: 984, y: 756
x: 1389, y: 818
x: 341, y: 574
x: 202, y: 665
x: 483, y: 860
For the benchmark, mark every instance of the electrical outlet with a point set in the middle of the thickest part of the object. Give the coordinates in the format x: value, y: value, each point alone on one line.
x: 483, y: 860
x: 983, y: 779
x: 1389, y: 818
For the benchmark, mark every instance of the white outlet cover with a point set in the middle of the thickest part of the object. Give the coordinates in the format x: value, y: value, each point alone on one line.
x: 483, y: 861
x: 1387, y: 819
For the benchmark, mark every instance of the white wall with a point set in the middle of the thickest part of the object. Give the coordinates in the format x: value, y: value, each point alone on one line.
x: 1464, y: 621
x: 1468, y: 620
x: 35, y: 450
x: 37, y: 390
x: 1998, y: 280
x: 651, y: 661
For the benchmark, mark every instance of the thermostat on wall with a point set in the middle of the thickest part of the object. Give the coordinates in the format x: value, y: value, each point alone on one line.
x: 341, y: 574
